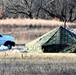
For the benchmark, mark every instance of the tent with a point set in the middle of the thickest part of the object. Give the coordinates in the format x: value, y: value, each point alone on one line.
x: 53, y: 41
x: 74, y: 31
x: 69, y: 49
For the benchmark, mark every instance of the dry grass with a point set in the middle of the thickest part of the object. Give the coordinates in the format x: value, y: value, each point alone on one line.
x: 33, y: 22
x: 29, y: 21
x: 38, y: 64
x: 10, y: 54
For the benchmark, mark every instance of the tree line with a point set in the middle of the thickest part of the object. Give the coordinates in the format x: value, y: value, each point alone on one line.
x: 64, y: 10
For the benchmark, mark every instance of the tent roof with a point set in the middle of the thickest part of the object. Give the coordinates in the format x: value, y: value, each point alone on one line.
x: 74, y: 31
x: 43, y: 39
x: 62, y: 36
x: 58, y: 35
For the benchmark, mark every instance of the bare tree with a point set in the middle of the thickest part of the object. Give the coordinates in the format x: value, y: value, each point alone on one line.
x: 45, y: 9
x: 61, y: 9
x: 41, y: 6
x: 19, y: 7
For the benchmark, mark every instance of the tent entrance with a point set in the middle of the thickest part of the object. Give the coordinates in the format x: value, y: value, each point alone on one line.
x: 54, y: 48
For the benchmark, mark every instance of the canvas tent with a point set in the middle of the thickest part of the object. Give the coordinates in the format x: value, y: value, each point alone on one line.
x: 69, y: 49
x: 74, y: 31
x: 53, y: 41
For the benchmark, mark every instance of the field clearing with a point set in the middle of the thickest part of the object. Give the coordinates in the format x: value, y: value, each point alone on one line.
x: 38, y: 64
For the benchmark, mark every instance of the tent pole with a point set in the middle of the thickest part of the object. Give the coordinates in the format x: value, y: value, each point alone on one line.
x: 65, y: 24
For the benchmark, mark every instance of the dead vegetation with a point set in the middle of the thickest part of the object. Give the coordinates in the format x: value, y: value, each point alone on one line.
x: 39, y: 64
x: 33, y: 22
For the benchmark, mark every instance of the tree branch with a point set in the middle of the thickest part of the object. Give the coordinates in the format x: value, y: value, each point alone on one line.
x: 53, y: 15
x: 73, y: 19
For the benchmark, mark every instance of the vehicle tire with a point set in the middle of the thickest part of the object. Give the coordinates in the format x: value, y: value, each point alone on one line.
x: 9, y: 46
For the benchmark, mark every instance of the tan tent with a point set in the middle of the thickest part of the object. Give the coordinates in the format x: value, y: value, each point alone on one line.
x: 53, y: 41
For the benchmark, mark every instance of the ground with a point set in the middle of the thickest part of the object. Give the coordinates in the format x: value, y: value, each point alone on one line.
x: 37, y: 63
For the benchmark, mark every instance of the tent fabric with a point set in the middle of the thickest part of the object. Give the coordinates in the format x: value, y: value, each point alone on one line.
x: 74, y: 31
x: 58, y: 35
x: 69, y: 49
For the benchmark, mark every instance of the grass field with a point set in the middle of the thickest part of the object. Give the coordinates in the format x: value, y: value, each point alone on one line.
x: 38, y: 64
x: 25, y: 31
